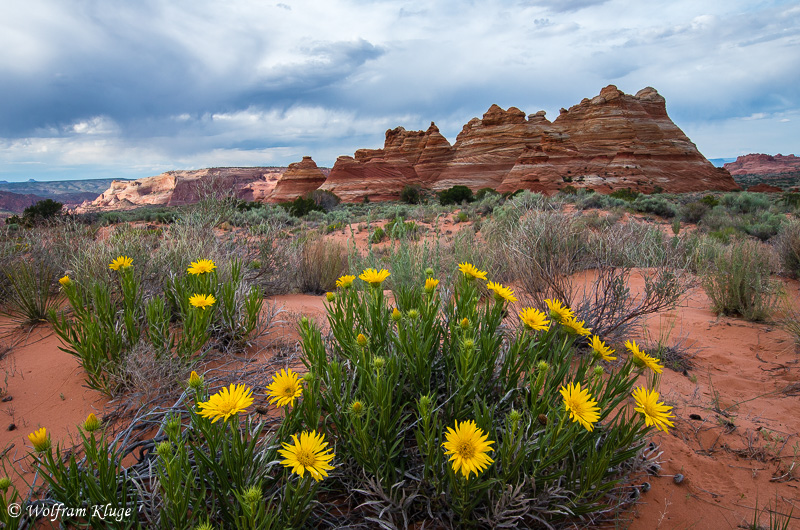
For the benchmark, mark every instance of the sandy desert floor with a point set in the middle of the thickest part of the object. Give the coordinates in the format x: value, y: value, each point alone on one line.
x: 736, y: 440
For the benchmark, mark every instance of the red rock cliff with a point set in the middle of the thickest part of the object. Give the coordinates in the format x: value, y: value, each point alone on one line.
x: 761, y: 164
x: 175, y: 188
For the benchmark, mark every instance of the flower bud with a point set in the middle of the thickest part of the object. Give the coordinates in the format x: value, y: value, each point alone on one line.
x: 65, y: 281
x: 164, y: 449
x: 514, y: 417
x: 92, y: 423
x: 469, y: 345
x: 308, y: 377
x: 330, y: 296
x: 413, y: 314
x: 429, y: 272
x: 5, y: 483
x: 424, y: 405
x: 357, y: 408
x: 304, y: 321
x: 598, y: 371
x: 464, y: 323
x: 252, y: 495
x: 195, y: 381
x: 173, y: 427
x: 379, y: 362
x: 361, y: 340
x: 396, y: 315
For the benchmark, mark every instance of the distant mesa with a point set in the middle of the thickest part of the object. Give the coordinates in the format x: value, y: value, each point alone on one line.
x: 609, y: 142
x: 763, y: 187
x: 762, y: 164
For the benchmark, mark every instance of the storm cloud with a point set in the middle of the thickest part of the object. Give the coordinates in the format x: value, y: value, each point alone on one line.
x: 130, y: 89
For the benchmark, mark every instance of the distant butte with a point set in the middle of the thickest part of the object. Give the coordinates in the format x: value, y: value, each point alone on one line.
x: 610, y: 142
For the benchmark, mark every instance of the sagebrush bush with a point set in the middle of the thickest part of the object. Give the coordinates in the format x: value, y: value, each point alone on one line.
x: 738, y: 282
x: 787, y: 245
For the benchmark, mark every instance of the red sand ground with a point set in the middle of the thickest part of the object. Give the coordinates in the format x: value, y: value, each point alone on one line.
x: 744, y: 390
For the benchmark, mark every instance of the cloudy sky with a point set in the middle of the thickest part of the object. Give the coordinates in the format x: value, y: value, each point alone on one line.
x: 114, y: 88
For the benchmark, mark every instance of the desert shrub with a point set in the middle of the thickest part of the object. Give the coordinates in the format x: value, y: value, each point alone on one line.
x: 327, y: 200
x: 694, y: 211
x: 29, y: 290
x: 321, y: 262
x: 485, y: 192
x: 455, y: 195
x: 410, y: 194
x: 389, y: 385
x: 738, y: 283
x: 791, y: 199
x: 546, y: 251
x: 462, y: 217
x: 397, y: 228
x: 654, y: 205
x: 598, y: 200
x: 110, y: 319
x: 745, y: 202
x: 378, y: 235
x: 42, y: 211
x: 787, y: 245
x: 626, y: 194
x: 568, y: 190
x: 301, y: 206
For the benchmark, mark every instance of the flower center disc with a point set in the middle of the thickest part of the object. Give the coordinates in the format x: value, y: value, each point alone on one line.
x: 466, y: 450
x: 305, y: 458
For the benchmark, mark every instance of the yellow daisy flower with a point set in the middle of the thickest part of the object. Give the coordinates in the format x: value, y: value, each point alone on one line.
x: 65, y: 280
x: 468, y: 446
x: 285, y: 388
x: 534, y: 319
x: 122, y: 262
x: 470, y: 270
x: 345, y: 281
x: 202, y: 300
x: 430, y: 284
x: 641, y: 358
x: 40, y: 440
x: 374, y: 277
x: 558, y: 311
x: 501, y: 292
x: 580, y: 405
x: 602, y: 351
x: 226, y: 403
x: 655, y: 413
x: 308, y: 453
x: 576, y: 326
x: 201, y: 266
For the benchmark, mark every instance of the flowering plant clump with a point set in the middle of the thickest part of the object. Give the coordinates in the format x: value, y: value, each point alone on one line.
x: 433, y: 403
x: 428, y: 399
x: 195, y: 312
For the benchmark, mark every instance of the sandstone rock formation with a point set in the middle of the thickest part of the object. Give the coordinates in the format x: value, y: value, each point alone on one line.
x: 299, y: 179
x: 761, y: 164
x: 407, y: 158
x: 176, y: 188
x: 609, y: 142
